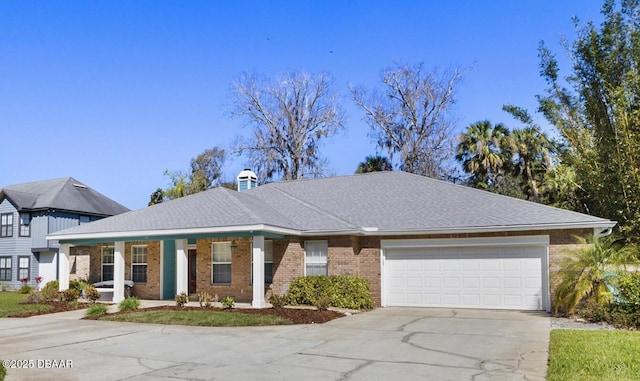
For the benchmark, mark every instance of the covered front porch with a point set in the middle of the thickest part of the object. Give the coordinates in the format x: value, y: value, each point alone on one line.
x: 168, y: 266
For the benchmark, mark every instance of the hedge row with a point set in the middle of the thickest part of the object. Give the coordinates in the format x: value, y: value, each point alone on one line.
x: 343, y: 291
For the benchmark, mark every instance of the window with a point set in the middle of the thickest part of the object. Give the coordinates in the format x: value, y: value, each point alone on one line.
x: 23, y: 268
x: 139, y: 264
x: 84, y: 220
x: 221, y: 262
x: 5, y: 268
x: 268, y: 263
x: 107, y: 263
x: 25, y: 225
x: 315, y: 257
x: 6, y: 225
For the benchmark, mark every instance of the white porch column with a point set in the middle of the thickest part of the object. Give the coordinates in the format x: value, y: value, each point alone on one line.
x: 63, y: 266
x: 182, y: 266
x: 258, y: 272
x: 118, y: 271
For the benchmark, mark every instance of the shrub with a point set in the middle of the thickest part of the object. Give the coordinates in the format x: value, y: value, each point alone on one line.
x: 182, y: 299
x: 205, y: 299
x: 278, y: 301
x: 628, y: 287
x: 97, y: 310
x: 4, y: 286
x: 343, y: 291
x: 129, y: 304
x: 70, y: 295
x: 228, y: 302
x: 3, y: 372
x: 25, y: 289
x: 91, y: 293
x: 35, y: 298
x: 78, y: 284
x: 323, y: 303
x: 50, y: 291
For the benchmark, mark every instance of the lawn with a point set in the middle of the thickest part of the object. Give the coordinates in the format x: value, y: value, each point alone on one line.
x: 10, y: 305
x: 197, y: 317
x: 594, y: 355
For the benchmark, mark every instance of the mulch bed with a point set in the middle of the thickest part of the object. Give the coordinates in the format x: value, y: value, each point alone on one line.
x: 56, y: 307
x: 295, y: 315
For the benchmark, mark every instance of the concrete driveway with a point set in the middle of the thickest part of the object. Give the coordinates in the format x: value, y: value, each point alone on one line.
x: 384, y: 344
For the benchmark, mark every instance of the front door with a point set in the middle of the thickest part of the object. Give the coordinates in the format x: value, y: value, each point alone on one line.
x: 192, y: 272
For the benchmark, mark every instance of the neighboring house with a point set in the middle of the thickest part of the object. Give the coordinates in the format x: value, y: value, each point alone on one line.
x: 30, y: 211
x: 418, y: 242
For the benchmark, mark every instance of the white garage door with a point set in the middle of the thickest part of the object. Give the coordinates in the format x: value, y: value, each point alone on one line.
x: 496, y: 277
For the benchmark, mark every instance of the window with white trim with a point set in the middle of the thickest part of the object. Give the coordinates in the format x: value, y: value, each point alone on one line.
x: 139, y: 264
x: 315, y: 257
x: 107, y: 263
x: 221, y: 263
x: 25, y: 225
x: 5, y: 268
x: 268, y: 263
x: 6, y: 225
x: 23, y: 268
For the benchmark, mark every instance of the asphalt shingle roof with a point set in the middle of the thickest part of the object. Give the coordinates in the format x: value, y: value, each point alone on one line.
x: 386, y: 201
x: 66, y: 194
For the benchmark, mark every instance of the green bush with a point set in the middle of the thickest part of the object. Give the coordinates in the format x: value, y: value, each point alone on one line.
x: 278, y: 301
x: 3, y: 372
x: 78, y: 284
x: 343, y: 291
x: 129, y: 304
x: 323, y: 303
x: 50, y: 291
x: 97, y: 310
x: 228, y: 302
x: 25, y: 289
x: 182, y: 299
x: 628, y: 287
x: 91, y: 293
x: 70, y: 295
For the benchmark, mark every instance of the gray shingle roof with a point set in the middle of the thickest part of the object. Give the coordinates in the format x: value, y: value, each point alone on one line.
x: 66, y: 194
x: 392, y: 202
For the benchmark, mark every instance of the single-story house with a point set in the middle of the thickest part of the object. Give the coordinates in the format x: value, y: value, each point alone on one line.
x: 418, y: 242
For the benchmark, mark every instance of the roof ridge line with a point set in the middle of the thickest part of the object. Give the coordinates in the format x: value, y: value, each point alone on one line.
x: 315, y: 208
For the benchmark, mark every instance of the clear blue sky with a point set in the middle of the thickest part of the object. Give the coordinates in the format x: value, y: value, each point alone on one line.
x: 113, y: 92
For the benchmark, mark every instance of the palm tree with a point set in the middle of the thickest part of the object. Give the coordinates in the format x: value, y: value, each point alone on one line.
x: 533, y: 151
x: 484, y: 152
x: 374, y: 164
x: 588, y: 271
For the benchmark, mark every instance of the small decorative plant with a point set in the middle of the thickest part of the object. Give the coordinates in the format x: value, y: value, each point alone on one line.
x: 182, y: 299
x: 278, y: 301
x: 228, y: 302
x: 91, y: 293
x: 205, y: 299
x: 70, y: 295
x: 50, y: 291
x: 129, y: 304
x: 323, y: 303
x: 25, y: 288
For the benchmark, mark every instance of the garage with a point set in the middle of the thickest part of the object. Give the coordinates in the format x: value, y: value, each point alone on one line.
x: 494, y: 273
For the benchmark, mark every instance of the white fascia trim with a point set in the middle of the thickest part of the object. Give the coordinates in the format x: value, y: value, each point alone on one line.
x: 529, y: 240
x: 174, y: 232
x: 488, y: 229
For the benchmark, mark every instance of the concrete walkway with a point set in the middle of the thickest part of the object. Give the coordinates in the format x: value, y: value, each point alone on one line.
x: 387, y: 343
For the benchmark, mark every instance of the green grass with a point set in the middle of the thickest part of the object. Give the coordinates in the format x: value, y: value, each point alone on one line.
x: 198, y: 318
x: 594, y: 355
x: 10, y: 304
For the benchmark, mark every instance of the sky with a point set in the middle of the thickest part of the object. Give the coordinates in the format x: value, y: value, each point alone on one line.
x: 113, y: 93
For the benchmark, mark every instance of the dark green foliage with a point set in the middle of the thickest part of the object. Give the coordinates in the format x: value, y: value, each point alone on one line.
x: 342, y: 291
x: 129, y: 304
x: 3, y: 372
x: 70, y: 295
x: 78, y: 284
x: 278, y: 301
x: 628, y: 288
x: 374, y: 164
